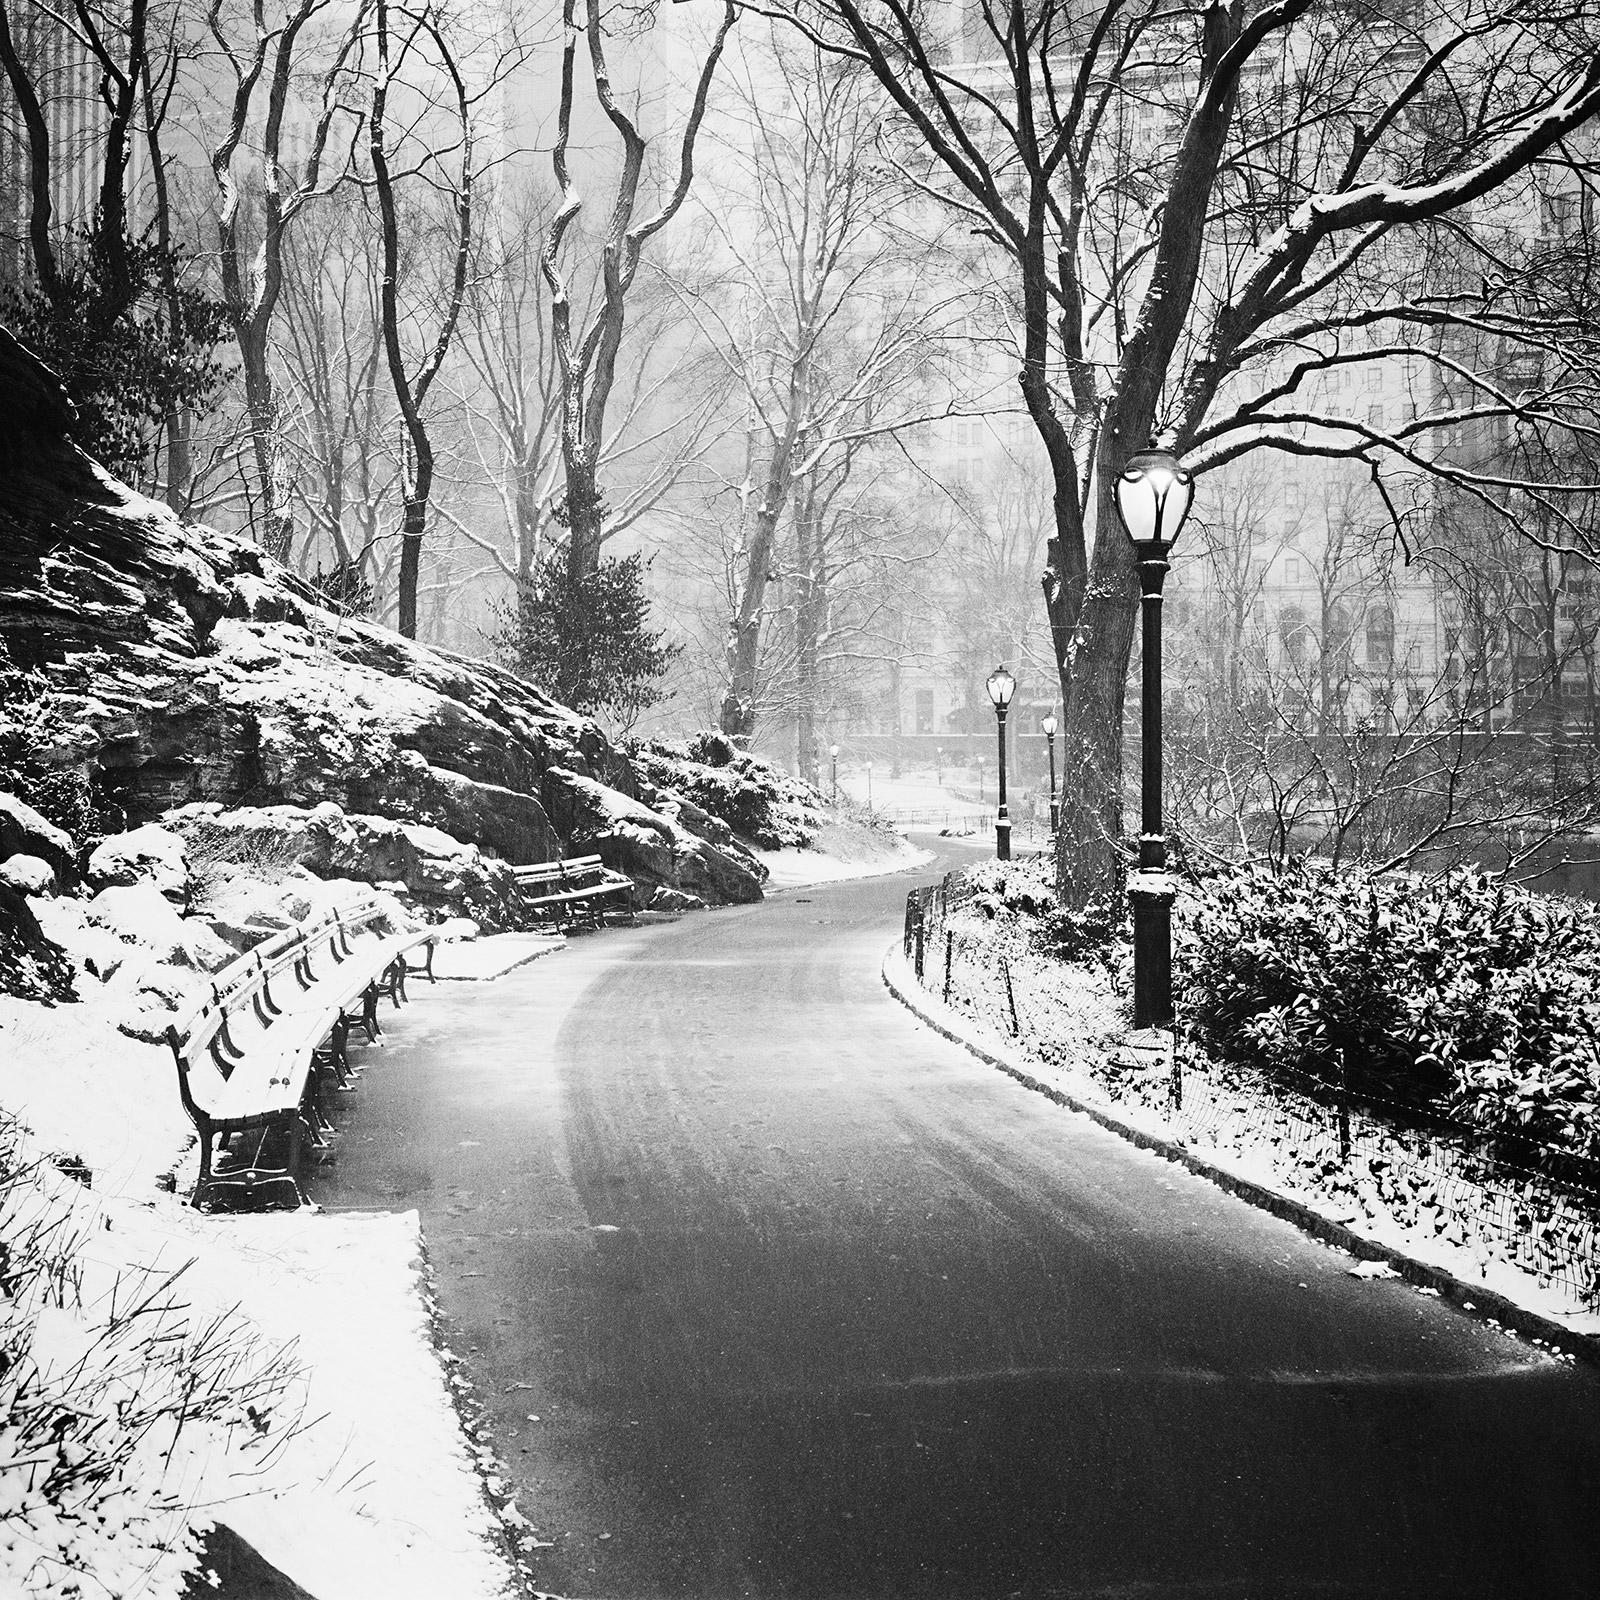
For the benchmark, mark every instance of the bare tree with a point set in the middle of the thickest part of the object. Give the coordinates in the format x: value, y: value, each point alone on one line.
x: 829, y: 327
x: 1178, y: 199
x: 587, y: 353
x: 338, y: 420
x: 411, y: 389
x: 253, y: 222
x: 666, y: 398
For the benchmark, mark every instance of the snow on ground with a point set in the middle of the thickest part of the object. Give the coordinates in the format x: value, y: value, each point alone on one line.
x: 842, y: 850
x: 1087, y: 993
x: 372, y: 1492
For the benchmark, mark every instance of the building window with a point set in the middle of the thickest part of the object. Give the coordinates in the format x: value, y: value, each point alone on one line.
x: 1375, y: 415
x: 1291, y: 569
x: 1380, y: 639
x: 924, y: 710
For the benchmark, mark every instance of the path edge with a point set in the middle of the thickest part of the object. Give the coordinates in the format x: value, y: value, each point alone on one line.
x: 1473, y: 1300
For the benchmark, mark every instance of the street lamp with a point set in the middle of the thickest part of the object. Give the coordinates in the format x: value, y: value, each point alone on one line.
x: 1153, y: 495
x: 833, y: 751
x: 1048, y: 724
x: 1001, y: 687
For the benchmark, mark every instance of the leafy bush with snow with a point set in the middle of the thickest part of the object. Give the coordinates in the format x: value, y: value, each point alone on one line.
x: 1025, y: 888
x: 1463, y: 996
x: 753, y: 797
x: 111, y: 1397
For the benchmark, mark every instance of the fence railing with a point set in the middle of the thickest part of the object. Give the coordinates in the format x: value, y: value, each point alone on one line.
x: 1500, y: 1195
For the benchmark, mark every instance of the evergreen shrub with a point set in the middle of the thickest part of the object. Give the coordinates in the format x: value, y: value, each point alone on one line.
x: 1463, y: 996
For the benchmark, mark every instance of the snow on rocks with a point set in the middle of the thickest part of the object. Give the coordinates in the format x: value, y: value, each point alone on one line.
x: 267, y: 841
x: 141, y: 914
x: 653, y: 848
x: 23, y: 832
x: 30, y: 875
x: 149, y: 854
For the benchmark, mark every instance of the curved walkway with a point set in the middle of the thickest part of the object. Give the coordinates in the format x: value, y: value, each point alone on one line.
x: 770, y: 1291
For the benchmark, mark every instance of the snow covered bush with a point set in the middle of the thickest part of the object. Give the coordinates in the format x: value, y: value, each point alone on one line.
x: 112, y: 1395
x: 1463, y: 996
x: 755, y: 799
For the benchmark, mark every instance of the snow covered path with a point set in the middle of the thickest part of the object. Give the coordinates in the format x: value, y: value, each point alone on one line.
x: 769, y: 1291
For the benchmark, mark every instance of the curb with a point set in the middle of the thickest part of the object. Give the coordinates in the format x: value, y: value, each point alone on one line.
x: 1473, y: 1300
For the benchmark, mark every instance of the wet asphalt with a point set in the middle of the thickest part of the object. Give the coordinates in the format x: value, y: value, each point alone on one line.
x: 771, y: 1293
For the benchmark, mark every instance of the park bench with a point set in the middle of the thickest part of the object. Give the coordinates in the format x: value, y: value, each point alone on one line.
x: 572, y: 890
x: 254, y: 1053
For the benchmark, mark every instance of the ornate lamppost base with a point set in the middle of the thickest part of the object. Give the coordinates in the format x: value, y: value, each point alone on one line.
x: 1151, y: 895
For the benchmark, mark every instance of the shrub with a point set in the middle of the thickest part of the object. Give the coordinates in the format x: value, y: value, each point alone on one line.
x: 1463, y: 996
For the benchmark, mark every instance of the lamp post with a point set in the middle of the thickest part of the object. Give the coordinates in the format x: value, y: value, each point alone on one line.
x: 1153, y: 495
x: 869, y: 786
x: 1001, y: 687
x: 833, y: 752
x: 1048, y: 724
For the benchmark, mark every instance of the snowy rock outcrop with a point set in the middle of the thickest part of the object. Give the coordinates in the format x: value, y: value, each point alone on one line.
x: 186, y: 667
x: 652, y: 847
x: 30, y: 875
x: 23, y: 832
x: 151, y: 854
x: 419, y: 861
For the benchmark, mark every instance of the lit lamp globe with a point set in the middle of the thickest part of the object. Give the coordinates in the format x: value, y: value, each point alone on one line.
x: 1153, y: 495
x: 1001, y: 687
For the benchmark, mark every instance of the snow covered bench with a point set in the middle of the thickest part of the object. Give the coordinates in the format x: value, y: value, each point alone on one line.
x: 569, y: 889
x: 251, y: 1054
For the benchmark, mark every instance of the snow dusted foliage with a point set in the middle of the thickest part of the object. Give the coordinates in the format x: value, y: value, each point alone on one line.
x: 113, y: 1397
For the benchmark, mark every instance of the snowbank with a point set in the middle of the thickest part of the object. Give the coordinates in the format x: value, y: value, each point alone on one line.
x: 357, y: 1481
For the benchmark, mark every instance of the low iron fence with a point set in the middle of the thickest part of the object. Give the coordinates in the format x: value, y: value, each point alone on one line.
x: 1501, y: 1196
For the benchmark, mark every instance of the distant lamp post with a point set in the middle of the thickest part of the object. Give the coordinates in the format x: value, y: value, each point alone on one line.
x: 1001, y: 687
x: 1153, y: 496
x: 869, y: 786
x: 833, y: 751
x: 1048, y: 724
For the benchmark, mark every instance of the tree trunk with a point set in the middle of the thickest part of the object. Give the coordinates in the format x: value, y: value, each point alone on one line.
x: 414, y: 526
x: 809, y: 612
x: 261, y: 401
x: 1090, y: 861
x: 585, y: 513
x: 738, y: 718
